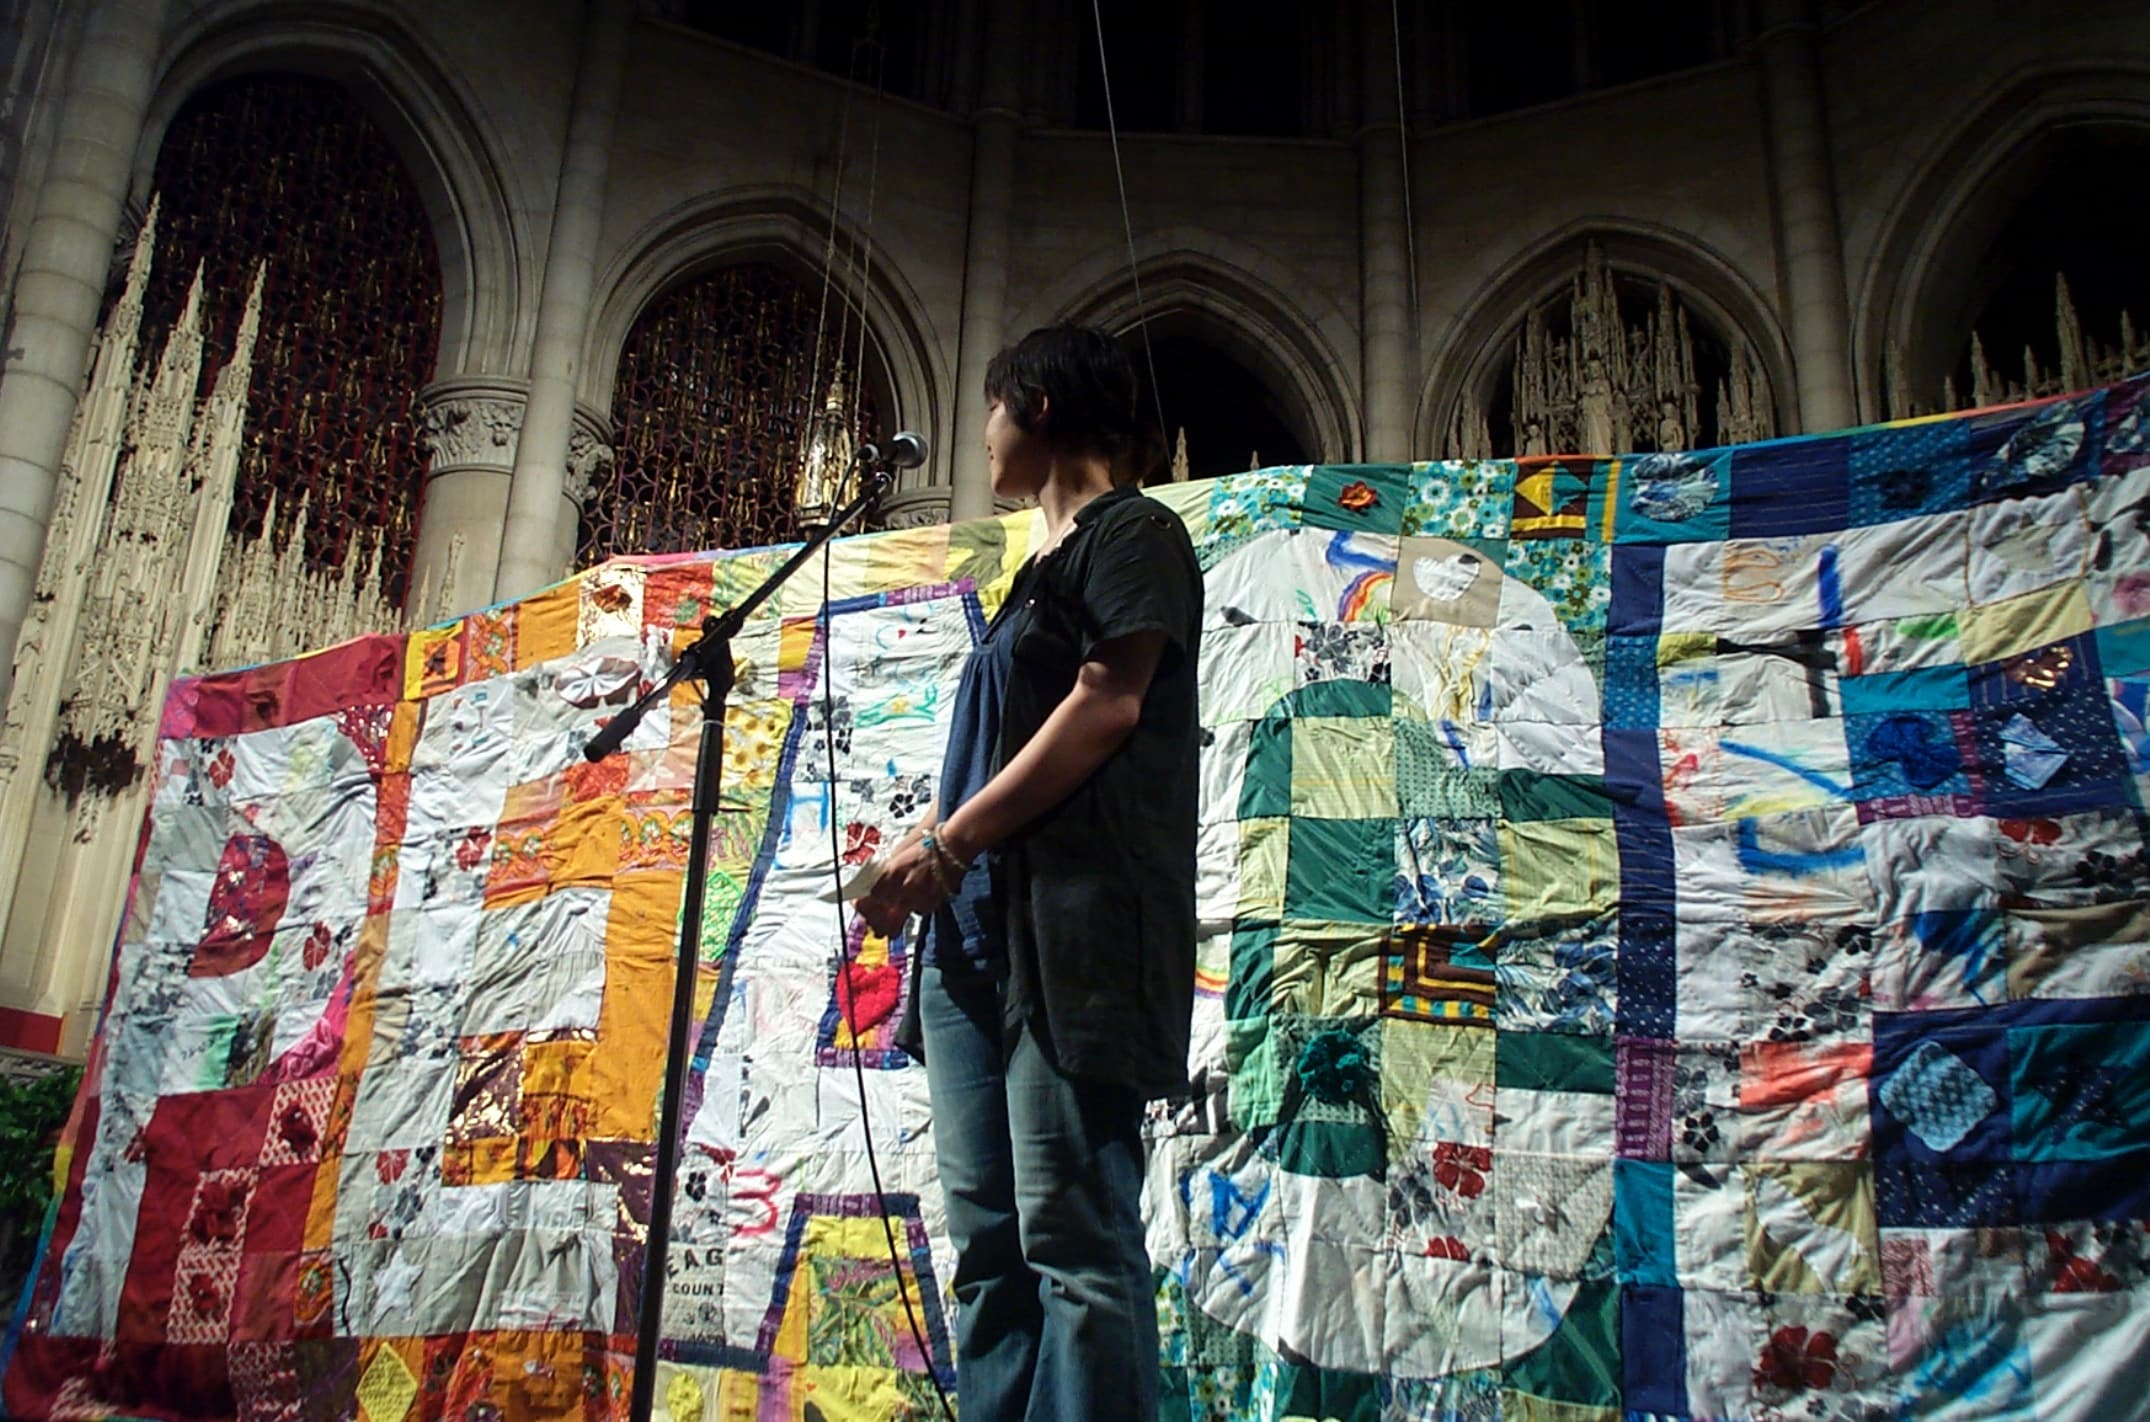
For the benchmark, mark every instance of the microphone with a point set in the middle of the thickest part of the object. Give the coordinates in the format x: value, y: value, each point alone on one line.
x: 907, y: 450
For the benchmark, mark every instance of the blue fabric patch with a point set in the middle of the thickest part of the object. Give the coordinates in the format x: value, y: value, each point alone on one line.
x: 1905, y: 753
x: 1976, y: 1043
x: 1653, y: 1351
x: 1642, y: 1222
x: 2040, y: 452
x: 1674, y: 498
x: 1910, y: 1194
x: 1790, y: 487
x: 2022, y: 780
x: 1638, y: 591
x: 1938, y: 1097
x: 1630, y: 691
x: 1648, y: 958
x: 1915, y: 469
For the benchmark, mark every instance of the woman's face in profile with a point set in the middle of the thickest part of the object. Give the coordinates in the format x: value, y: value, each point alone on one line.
x: 1015, y: 456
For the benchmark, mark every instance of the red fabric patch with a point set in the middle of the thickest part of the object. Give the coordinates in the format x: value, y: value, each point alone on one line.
x: 877, y: 989
x: 253, y: 883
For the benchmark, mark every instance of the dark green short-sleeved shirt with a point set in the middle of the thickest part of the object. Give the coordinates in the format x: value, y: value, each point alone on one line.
x: 1099, y: 890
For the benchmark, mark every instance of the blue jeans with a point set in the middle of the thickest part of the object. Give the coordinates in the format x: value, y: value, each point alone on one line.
x: 1056, y: 1315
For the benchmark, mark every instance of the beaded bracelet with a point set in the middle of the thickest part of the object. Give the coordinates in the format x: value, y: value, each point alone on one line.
x: 948, y: 872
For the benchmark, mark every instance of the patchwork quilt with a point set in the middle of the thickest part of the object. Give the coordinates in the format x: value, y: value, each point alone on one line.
x: 1675, y: 943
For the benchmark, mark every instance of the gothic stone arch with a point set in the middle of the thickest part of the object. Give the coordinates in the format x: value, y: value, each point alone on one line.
x: 1962, y: 193
x: 488, y: 306
x: 1469, y: 362
x: 788, y: 227
x: 1234, y: 297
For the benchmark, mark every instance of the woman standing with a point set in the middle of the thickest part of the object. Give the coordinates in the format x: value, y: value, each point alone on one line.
x: 1056, y: 874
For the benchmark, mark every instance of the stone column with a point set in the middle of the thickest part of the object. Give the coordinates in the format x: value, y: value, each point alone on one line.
x: 1193, y: 55
x: 65, y: 259
x: 471, y: 425
x: 530, y: 539
x: 1803, y: 184
x: 1386, y: 371
x: 994, y: 130
x: 1582, y: 47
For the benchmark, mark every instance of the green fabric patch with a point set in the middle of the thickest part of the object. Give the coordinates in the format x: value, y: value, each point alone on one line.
x: 1264, y: 856
x: 2079, y: 1091
x: 1534, y: 795
x: 1554, y: 1061
x: 1343, y: 871
x: 1338, y: 697
x: 1430, y: 783
x: 1248, y: 991
x: 978, y: 550
x: 1256, y: 1092
x: 1358, y: 498
x: 2124, y: 648
x: 1265, y: 790
x: 1309, y: 1394
x: 1581, y: 1361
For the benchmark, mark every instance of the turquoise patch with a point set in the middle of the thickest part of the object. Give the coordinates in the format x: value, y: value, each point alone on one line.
x: 1927, y: 689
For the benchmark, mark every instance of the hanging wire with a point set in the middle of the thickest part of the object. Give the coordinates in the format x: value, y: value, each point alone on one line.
x: 1127, y: 222
x: 863, y: 266
x: 873, y: 176
x: 850, y: 990
x: 1403, y: 134
x: 828, y: 256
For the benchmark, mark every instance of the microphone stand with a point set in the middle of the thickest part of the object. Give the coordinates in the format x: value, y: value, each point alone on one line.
x: 707, y: 659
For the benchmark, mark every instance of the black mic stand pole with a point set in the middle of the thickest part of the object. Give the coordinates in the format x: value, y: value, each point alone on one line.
x: 709, y: 659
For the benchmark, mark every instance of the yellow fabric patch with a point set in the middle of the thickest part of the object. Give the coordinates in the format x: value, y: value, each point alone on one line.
x: 1264, y: 854
x: 388, y: 1388
x: 1559, y: 869
x: 1811, y: 1227
x: 2019, y: 624
x: 1328, y: 969
x: 545, y: 623
x: 1343, y: 768
x: 432, y: 661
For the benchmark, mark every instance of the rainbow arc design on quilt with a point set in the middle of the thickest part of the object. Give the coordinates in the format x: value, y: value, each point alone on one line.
x: 1675, y: 942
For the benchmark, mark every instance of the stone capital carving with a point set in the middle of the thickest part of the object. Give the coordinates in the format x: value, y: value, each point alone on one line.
x: 589, y: 460
x: 915, y: 508
x: 471, y: 423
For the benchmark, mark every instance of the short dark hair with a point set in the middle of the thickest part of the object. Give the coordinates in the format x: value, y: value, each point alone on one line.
x: 1086, y: 377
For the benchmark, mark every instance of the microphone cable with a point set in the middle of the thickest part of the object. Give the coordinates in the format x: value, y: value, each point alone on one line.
x: 850, y: 993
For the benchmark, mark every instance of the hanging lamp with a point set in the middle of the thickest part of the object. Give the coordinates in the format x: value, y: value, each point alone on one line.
x: 826, y: 452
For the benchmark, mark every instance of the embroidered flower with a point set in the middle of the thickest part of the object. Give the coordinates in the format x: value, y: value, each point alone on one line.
x: 1358, y: 496
x: 220, y: 769
x: 204, y: 1296
x: 318, y: 945
x: 2074, y: 1274
x: 390, y: 1165
x: 471, y: 852
x: 216, y: 1213
x: 1461, y: 1169
x: 297, y: 1129
x: 1447, y: 1246
x: 1795, y: 1360
x: 861, y: 843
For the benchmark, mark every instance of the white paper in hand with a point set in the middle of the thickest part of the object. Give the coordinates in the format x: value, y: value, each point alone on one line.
x: 854, y: 887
